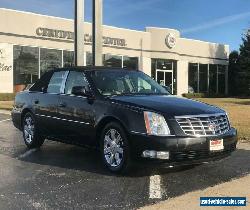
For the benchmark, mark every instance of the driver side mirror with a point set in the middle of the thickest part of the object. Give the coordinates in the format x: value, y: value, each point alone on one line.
x: 81, y: 91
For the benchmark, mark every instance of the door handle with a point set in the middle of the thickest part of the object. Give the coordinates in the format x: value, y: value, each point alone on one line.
x: 62, y: 104
x: 36, y: 101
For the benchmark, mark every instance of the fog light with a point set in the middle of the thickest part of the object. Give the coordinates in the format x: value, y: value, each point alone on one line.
x: 155, y: 154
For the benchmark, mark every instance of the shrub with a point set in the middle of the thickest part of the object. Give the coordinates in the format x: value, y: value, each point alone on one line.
x: 194, y: 95
x: 7, y: 96
x: 203, y: 95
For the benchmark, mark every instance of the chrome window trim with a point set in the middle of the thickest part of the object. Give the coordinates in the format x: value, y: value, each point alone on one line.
x: 57, y: 118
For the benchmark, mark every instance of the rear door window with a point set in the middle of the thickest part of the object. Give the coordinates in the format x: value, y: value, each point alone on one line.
x: 56, y: 81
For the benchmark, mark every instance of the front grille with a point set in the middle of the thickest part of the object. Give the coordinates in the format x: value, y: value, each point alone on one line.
x: 204, y: 125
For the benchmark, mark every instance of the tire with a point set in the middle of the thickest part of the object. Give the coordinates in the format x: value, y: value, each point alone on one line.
x: 31, y: 135
x: 115, y: 149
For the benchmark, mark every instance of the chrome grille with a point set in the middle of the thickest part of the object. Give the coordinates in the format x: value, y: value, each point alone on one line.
x: 204, y: 125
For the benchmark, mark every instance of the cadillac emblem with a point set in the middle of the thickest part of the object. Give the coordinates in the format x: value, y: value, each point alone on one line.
x: 170, y: 40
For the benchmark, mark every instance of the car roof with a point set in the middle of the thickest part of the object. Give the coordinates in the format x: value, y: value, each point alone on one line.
x: 91, y: 68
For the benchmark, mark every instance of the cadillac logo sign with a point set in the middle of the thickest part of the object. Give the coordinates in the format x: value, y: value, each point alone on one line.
x: 170, y: 40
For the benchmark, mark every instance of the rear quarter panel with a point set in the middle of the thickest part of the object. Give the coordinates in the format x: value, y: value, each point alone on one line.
x: 23, y: 101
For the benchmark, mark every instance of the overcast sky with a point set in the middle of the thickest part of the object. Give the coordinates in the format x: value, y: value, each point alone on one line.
x: 221, y: 21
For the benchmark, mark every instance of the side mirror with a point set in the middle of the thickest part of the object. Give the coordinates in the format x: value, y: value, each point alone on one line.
x: 81, y: 91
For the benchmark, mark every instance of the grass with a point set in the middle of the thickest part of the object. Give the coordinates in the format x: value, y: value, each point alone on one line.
x: 238, y: 111
x: 6, y: 105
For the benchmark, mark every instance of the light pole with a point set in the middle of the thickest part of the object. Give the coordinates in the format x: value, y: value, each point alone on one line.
x: 97, y: 33
x: 79, y: 33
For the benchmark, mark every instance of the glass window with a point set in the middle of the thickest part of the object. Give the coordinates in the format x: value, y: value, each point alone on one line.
x: 153, y: 68
x: 89, y: 59
x: 130, y: 62
x: 193, y: 76
x: 56, y: 82
x: 26, y: 65
x: 50, y: 59
x: 75, y: 79
x: 221, y: 79
x: 212, y: 78
x: 122, y: 82
x: 203, y: 77
x: 164, y: 64
x: 68, y: 58
x: 112, y: 60
x: 42, y: 84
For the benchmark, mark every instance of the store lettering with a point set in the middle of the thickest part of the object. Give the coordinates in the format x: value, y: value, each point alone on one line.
x: 60, y: 34
x: 3, y: 67
x: 46, y: 32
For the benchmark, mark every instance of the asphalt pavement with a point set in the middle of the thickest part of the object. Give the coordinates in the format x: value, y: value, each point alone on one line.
x: 60, y: 176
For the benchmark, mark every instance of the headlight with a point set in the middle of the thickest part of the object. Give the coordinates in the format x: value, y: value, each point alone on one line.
x: 156, y: 124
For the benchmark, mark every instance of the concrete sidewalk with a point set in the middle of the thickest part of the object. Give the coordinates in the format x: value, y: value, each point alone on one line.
x: 2, y: 111
x: 235, y: 188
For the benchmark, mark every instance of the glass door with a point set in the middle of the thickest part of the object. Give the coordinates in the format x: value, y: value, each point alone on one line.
x: 165, y: 78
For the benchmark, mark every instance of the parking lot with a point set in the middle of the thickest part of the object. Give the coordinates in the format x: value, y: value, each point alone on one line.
x: 60, y: 176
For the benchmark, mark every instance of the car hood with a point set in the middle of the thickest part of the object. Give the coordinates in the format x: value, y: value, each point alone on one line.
x: 168, y: 105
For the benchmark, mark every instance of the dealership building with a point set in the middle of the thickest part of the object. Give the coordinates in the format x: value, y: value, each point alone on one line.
x: 31, y: 44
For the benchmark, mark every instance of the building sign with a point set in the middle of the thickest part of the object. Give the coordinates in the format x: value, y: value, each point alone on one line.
x: 3, y: 66
x: 6, y: 68
x: 68, y: 35
x: 170, y: 40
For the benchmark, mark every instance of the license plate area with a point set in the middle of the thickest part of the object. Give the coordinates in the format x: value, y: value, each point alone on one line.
x: 216, y: 145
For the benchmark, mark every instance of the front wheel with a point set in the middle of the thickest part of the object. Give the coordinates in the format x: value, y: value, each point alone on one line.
x: 115, y: 148
x: 31, y: 135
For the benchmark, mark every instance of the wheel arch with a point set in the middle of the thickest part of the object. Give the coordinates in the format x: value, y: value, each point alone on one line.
x: 103, y: 122
x: 24, y: 112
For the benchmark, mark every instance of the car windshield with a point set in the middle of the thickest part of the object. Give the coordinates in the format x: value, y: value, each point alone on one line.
x: 123, y: 82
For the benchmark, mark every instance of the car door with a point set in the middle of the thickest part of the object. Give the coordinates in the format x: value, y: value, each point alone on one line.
x: 46, y: 104
x: 76, y: 112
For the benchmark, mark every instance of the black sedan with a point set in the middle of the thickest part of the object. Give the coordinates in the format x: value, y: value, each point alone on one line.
x: 123, y: 113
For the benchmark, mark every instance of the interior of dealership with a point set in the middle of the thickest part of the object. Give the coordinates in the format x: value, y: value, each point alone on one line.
x: 31, y: 44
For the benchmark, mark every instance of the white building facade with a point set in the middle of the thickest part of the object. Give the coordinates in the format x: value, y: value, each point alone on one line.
x: 31, y: 44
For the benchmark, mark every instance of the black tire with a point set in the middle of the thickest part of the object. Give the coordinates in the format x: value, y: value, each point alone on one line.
x: 123, y: 166
x: 31, y: 135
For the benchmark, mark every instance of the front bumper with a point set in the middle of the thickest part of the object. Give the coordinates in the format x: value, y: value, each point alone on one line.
x: 184, y: 150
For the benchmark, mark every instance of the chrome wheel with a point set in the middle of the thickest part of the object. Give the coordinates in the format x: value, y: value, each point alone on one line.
x: 28, y: 129
x: 113, y: 148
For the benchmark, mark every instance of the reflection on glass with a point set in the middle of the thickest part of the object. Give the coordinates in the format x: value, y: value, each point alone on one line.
x: 164, y: 64
x: 68, y: 58
x: 221, y: 79
x: 203, y: 77
x: 89, y: 59
x: 130, y: 62
x: 112, y: 60
x: 50, y: 59
x: 212, y: 78
x: 26, y: 65
x: 193, y: 76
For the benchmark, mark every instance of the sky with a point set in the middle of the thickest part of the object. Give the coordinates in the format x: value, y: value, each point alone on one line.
x: 220, y: 21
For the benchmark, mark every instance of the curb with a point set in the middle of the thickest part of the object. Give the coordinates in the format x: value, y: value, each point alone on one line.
x: 2, y: 111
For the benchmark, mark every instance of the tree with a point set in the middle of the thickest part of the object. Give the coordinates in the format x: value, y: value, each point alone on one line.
x: 244, y: 63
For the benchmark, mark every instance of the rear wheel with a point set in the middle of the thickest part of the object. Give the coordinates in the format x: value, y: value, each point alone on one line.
x: 115, y: 148
x: 30, y: 132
